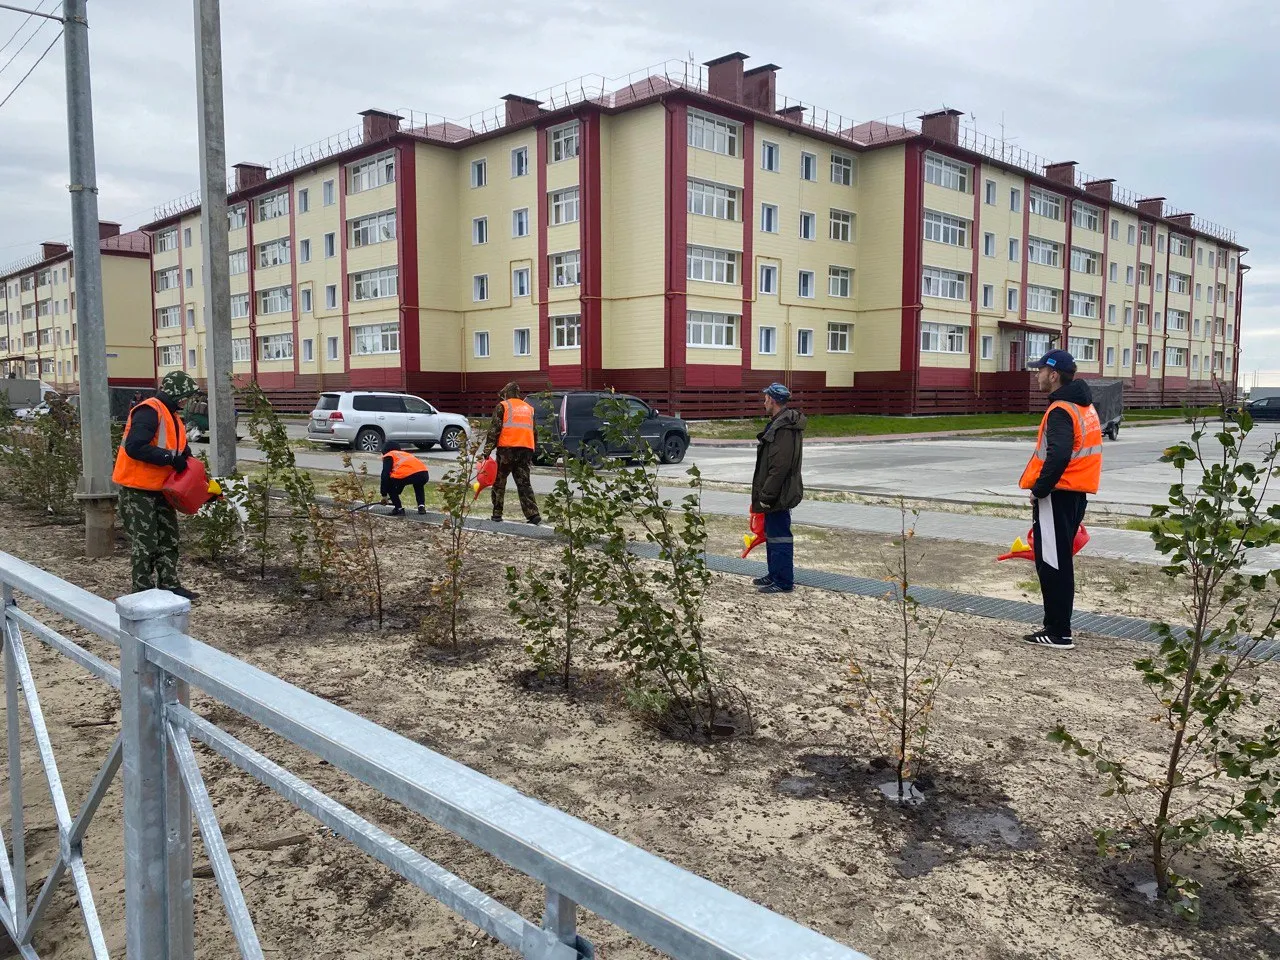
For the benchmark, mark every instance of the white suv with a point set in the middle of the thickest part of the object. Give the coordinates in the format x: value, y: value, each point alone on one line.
x: 364, y: 419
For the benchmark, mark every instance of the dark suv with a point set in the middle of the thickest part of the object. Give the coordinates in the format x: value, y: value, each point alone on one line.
x: 573, y: 418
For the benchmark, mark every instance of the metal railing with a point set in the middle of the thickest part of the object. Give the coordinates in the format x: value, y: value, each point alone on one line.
x: 668, y: 908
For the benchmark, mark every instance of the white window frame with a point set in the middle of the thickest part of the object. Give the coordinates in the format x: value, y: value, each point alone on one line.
x: 946, y: 229
x: 304, y: 250
x: 1084, y: 349
x: 331, y: 296
x: 706, y: 199
x: 304, y: 298
x: 770, y: 156
x: 308, y: 350
x: 566, y: 332
x: 839, y: 282
x: 304, y: 201
x: 808, y: 166
x: 712, y: 265
x: 1043, y: 299
x: 170, y: 355
x: 239, y: 306
x: 328, y: 193
x: 944, y: 284
x: 516, y: 349
x: 272, y: 253
x: 987, y: 346
x: 372, y: 173
x: 1012, y: 296
x: 563, y: 206
x: 989, y: 245
x: 1045, y: 204
x: 520, y: 162
x: 333, y: 348
x: 275, y: 300
x: 373, y: 339
x: 989, y: 195
x: 566, y: 268
x: 768, y: 284
x: 479, y: 231
x: 714, y: 134
x: 839, y: 337
x: 521, y: 285
x: 1111, y: 356
x: 479, y: 173
x: 242, y: 350
x: 480, y: 344
x: 330, y: 246
x: 944, y: 338
x: 480, y: 288
x: 988, y: 296
x: 1086, y: 217
x: 372, y: 229
x: 768, y: 218
x: 562, y: 142
x: 275, y: 347
x: 812, y: 220
x: 380, y: 284
x: 166, y: 240
x: 804, y: 342
x: 272, y: 206
x: 706, y: 330
x: 946, y: 173
x: 1047, y: 253
x: 770, y: 334
x: 841, y: 225
x: 805, y: 281
x: 1088, y: 262
x: 520, y: 222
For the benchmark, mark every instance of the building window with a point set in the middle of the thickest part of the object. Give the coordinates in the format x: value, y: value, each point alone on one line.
x: 273, y: 253
x: 521, y: 341
x: 1044, y: 252
x: 1111, y: 314
x: 1045, y: 204
x: 1015, y: 200
x: 942, y: 228
x: 241, y: 350
x: 1211, y: 259
x: 842, y: 226
x: 713, y: 330
x: 480, y: 230
x: 1044, y: 299
x: 166, y: 240
x: 564, y: 206
x: 1177, y: 320
x: 988, y: 346
x: 308, y: 351
x: 370, y: 174
x: 1114, y: 275
x: 1159, y: 282
x: 712, y: 265
x: 988, y: 295
x: 768, y: 340
x: 304, y: 204
x: 165, y: 280
x: 1156, y: 325
x: 167, y: 317
x: 520, y: 282
x: 481, y: 344
x: 375, y: 284
x: 769, y: 156
x: 946, y: 284
x: 331, y: 348
x: 191, y: 280
x: 1132, y: 234
x: 480, y: 287
x: 1128, y: 315
x: 1175, y: 357
x: 1013, y: 249
x: 331, y: 296
x: 1128, y: 276
x: 839, y: 281
x: 277, y: 346
x: 375, y: 338
x: 171, y: 355
x: 1086, y: 261
x: 1011, y: 299
x: 1140, y: 354
x: 707, y: 132
x: 275, y: 300
x: 989, y: 244
x: 479, y: 173
x: 566, y: 332
x: 186, y: 242
x: 808, y: 226
x: 768, y: 218
x: 804, y: 284
x: 1144, y: 275
x: 1086, y: 217
x: 943, y: 338
x: 564, y: 142
x: 1111, y: 356
x: 704, y: 200
x: 1200, y: 291
x: 269, y: 208
x: 808, y: 166
x: 375, y: 228
x: 327, y: 194
x: 565, y: 269
x: 304, y: 250
x: 304, y: 298
x: 520, y: 222
x: 842, y: 170
x: 239, y: 306
x: 990, y: 190
x: 1179, y: 246
x: 838, y: 337
x: 946, y: 173
x: 1160, y: 243
x: 768, y: 278
x: 520, y: 162
x: 1179, y: 283
x: 1196, y: 327
x: 330, y: 245
x: 1083, y: 348
x: 804, y: 343
x: 1115, y: 229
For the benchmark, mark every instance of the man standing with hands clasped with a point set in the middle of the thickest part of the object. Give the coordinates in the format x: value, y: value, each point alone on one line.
x: 776, y: 487
x: 1065, y: 467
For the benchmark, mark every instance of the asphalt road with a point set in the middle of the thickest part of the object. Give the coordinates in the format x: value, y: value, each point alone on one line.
x: 968, y: 470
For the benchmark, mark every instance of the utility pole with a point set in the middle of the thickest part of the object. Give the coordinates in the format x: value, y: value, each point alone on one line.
x: 213, y: 219
x: 96, y: 489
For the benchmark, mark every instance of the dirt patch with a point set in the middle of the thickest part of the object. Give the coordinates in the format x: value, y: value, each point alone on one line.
x: 999, y: 863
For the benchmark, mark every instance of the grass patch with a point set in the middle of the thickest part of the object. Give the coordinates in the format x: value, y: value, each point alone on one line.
x: 1147, y: 524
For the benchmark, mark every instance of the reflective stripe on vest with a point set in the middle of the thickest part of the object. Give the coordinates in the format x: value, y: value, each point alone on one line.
x: 517, y: 425
x: 404, y: 464
x: 171, y: 434
x: 1084, y: 468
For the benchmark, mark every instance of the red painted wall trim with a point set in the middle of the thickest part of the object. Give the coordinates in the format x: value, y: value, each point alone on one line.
x: 182, y: 303
x: 155, y: 346
x: 591, y: 289
x: 1164, y: 326
x: 747, y: 211
x: 340, y: 240
x: 293, y: 279
x: 543, y: 266
x: 407, y: 256
x: 974, y: 233
x: 912, y: 260
x: 1105, y: 213
x: 1025, y: 191
x: 1066, y: 280
x: 253, y: 290
x: 677, y: 230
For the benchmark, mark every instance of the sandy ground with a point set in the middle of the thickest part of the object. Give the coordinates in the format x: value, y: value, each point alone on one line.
x: 999, y: 863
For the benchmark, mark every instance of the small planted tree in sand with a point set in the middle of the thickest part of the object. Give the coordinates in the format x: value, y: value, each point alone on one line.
x: 347, y: 542
x: 455, y: 539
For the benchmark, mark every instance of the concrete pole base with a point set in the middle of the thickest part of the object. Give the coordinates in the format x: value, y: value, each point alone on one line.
x: 99, y: 529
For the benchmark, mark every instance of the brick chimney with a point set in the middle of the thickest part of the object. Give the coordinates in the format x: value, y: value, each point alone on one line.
x: 794, y: 113
x: 1100, y: 189
x: 108, y: 229
x: 50, y: 250
x: 1182, y: 219
x: 521, y: 108
x: 249, y: 175
x: 1152, y: 206
x: 379, y: 125
x: 942, y: 125
x: 759, y: 88
x: 724, y: 77
x: 1063, y: 173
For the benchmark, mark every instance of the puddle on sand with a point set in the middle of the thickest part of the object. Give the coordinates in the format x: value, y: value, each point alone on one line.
x: 803, y: 787
x: 995, y: 827
x: 911, y: 794
x: 917, y: 859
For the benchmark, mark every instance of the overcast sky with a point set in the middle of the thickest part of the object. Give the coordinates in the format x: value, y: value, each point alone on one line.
x: 1174, y: 98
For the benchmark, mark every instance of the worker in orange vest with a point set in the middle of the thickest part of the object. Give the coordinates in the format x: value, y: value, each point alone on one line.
x: 1064, y: 469
x: 512, y: 432
x: 400, y: 470
x: 154, y: 447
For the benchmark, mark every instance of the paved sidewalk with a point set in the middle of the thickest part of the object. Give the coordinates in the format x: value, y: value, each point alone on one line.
x: 893, y: 437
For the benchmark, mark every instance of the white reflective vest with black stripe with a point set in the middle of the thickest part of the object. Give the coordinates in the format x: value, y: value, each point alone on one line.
x: 1084, y: 469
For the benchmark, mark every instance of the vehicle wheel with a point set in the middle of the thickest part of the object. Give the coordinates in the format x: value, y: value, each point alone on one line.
x: 369, y: 440
x: 1114, y: 431
x: 452, y: 438
x: 673, y: 448
x: 424, y: 447
x: 593, y: 451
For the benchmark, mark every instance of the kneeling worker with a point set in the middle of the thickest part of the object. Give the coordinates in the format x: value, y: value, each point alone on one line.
x: 153, y: 448
x: 400, y: 470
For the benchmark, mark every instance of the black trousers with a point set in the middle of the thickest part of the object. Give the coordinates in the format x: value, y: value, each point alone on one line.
x: 1057, y: 584
x: 416, y: 480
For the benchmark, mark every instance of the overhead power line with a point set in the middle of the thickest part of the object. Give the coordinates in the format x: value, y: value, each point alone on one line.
x: 17, y: 53
x: 10, y: 94
x: 22, y: 25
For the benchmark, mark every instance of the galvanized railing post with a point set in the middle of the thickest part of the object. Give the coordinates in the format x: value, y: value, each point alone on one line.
x: 560, y: 919
x: 157, y: 817
x: 17, y: 828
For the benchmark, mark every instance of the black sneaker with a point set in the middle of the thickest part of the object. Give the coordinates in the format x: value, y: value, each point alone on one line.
x: 762, y: 581
x: 1043, y: 638
x: 773, y: 588
x: 422, y: 511
x: 495, y: 519
x: 536, y: 521
x: 184, y: 593
x: 398, y: 512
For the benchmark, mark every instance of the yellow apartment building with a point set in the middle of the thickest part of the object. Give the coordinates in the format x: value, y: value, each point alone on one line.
x: 690, y: 236
x: 38, y: 326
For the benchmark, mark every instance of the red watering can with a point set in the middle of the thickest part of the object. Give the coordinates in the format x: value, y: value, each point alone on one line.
x: 1027, y: 551
x: 485, y: 475
x: 756, y: 537
x: 191, y: 489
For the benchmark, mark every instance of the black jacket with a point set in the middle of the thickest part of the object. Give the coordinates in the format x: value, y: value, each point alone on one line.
x: 777, y: 484
x: 143, y: 424
x: 1060, y: 435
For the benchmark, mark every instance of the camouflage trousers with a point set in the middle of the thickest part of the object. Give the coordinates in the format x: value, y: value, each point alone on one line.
x: 151, y: 525
x: 515, y: 462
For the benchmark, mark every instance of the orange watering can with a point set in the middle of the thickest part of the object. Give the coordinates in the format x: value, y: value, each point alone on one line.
x: 485, y: 475
x: 1027, y: 551
x: 756, y: 537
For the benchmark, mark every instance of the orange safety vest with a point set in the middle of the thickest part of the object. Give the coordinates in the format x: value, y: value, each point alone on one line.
x: 404, y: 464
x: 1084, y: 469
x: 517, y: 425
x: 171, y: 434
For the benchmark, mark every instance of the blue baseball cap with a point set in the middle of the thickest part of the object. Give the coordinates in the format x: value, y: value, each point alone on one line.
x: 778, y: 391
x: 1056, y: 360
